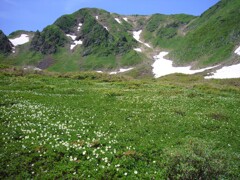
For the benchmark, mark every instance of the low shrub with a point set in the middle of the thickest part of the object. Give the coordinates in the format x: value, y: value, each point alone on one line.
x: 196, y: 159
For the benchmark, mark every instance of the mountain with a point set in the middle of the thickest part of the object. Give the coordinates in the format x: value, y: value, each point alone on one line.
x: 89, y: 39
x: 165, y: 30
x: 212, y: 37
x: 5, y: 44
x: 94, y: 39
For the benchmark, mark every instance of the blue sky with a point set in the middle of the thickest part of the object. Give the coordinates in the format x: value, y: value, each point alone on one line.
x: 37, y: 14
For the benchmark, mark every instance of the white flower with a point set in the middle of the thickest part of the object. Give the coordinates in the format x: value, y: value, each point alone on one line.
x: 135, y: 172
x: 125, y: 174
x: 84, y: 152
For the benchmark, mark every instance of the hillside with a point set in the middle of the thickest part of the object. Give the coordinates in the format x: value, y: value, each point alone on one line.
x: 213, y: 37
x: 5, y: 44
x: 166, y: 30
x: 93, y: 39
x: 89, y: 39
x: 98, y: 95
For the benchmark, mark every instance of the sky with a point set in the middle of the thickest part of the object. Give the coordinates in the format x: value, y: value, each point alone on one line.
x: 34, y: 15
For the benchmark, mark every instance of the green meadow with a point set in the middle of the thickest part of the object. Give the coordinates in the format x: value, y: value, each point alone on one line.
x: 96, y: 126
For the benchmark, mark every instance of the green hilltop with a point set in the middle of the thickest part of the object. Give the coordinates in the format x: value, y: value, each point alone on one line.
x: 107, y: 44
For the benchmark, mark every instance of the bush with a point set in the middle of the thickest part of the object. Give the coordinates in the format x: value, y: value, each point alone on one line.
x: 48, y: 40
x: 196, y: 159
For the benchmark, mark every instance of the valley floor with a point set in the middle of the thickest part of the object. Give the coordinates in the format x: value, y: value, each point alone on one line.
x: 109, y: 127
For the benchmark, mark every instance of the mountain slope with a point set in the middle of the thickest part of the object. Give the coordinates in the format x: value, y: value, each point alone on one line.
x: 212, y: 37
x: 89, y: 39
x: 5, y: 44
x: 165, y: 30
x: 94, y: 39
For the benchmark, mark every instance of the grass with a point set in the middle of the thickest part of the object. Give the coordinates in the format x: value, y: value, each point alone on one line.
x: 22, y: 57
x: 212, y: 37
x: 112, y: 127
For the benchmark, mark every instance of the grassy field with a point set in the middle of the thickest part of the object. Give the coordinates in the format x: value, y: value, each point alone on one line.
x: 96, y: 126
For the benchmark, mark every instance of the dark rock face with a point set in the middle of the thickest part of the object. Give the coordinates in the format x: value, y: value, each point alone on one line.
x: 5, y: 45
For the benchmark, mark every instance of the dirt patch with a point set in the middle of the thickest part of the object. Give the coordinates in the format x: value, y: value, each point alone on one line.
x: 45, y: 63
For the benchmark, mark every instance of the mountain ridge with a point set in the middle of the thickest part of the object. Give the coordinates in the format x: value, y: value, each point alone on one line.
x: 94, y: 39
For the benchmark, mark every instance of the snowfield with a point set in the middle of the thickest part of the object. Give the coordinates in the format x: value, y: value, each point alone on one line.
x: 237, y: 51
x: 163, y: 67
x: 146, y: 44
x: 121, y: 70
x: 24, y: 38
x: 79, y: 42
x: 71, y: 36
x: 118, y: 20
x: 125, y: 70
x: 74, y: 43
x: 79, y: 26
x: 136, y: 35
x: 226, y: 72
x: 125, y: 19
x: 106, y: 28
x: 137, y: 49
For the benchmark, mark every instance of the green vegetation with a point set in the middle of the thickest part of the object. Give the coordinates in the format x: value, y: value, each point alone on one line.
x: 203, y: 41
x: 164, y: 30
x: 5, y: 44
x: 100, y: 62
x: 18, y: 33
x: 66, y: 23
x: 98, y: 41
x: 212, y: 37
x: 131, y: 59
x: 97, y: 126
x: 48, y: 41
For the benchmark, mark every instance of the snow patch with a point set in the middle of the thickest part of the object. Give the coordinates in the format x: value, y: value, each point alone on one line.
x: 13, y: 50
x: 125, y: 70
x: 99, y: 71
x: 32, y: 68
x: 163, y: 67
x: 226, y: 72
x: 136, y: 35
x: 96, y: 17
x: 71, y: 36
x: 79, y: 26
x: 75, y: 44
x: 125, y: 19
x: 114, y: 72
x: 146, y: 44
x: 237, y: 51
x: 106, y: 28
x: 24, y: 38
x: 137, y: 49
x: 118, y: 20
x: 121, y: 70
